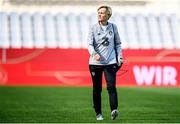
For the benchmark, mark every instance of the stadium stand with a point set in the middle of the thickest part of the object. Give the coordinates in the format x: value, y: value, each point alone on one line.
x: 38, y: 31
x: 62, y: 32
x: 76, y: 2
x: 154, y: 32
x: 15, y: 30
x: 59, y: 30
x: 26, y: 31
x: 4, y: 31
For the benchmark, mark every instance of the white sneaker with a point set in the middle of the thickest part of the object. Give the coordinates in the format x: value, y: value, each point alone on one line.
x: 99, y: 117
x: 114, y: 114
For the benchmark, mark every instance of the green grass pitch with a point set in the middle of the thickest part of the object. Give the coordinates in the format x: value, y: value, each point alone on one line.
x: 74, y: 104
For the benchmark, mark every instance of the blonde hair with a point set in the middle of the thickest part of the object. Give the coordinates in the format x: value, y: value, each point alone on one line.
x: 108, y: 9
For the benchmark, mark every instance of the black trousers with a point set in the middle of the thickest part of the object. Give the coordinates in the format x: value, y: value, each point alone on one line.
x: 110, y: 77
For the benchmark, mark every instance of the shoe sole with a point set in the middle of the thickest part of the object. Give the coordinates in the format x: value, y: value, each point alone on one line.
x: 99, y: 119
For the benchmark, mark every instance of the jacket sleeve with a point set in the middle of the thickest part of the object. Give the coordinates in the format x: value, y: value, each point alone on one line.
x: 117, y: 42
x: 91, y: 39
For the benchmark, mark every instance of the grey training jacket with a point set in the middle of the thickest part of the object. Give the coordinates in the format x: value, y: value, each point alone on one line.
x: 102, y: 42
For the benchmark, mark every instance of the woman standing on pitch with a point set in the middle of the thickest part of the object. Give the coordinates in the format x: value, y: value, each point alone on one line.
x: 104, y: 46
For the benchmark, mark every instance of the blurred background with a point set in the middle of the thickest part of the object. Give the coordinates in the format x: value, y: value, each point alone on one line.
x: 143, y: 24
x: 48, y: 39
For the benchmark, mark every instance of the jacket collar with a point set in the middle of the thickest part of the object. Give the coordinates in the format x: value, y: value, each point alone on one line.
x: 100, y: 30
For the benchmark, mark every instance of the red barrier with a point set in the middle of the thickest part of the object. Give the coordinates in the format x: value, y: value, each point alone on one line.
x: 69, y: 67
